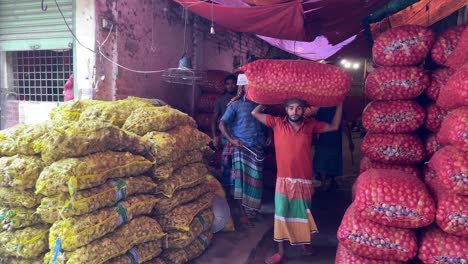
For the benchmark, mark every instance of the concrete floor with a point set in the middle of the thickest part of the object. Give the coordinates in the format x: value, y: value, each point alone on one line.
x: 253, y: 244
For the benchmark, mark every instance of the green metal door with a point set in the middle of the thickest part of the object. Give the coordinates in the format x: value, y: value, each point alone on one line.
x: 24, y: 26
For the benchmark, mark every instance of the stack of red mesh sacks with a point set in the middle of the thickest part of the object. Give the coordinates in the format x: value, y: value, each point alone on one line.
x: 211, y: 89
x: 447, y: 173
x: 390, y: 198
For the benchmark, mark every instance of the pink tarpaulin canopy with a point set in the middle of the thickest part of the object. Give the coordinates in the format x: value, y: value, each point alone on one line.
x: 313, y: 29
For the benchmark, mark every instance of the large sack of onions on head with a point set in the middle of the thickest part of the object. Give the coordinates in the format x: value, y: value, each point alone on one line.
x: 396, y: 83
x: 439, y: 78
x: 273, y: 81
x: 455, y: 93
x: 206, y: 102
x: 454, y: 129
x: 403, y: 46
x: 214, y: 82
x: 367, y: 164
x: 393, y: 198
x: 438, y: 247
x: 446, y: 44
x: 394, y: 148
x: 452, y: 212
x: 451, y: 166
x: 435, y: 116
x: 346, y: 256
x: 393, y: 117
x: 371, y: 240
x: 432, y: 145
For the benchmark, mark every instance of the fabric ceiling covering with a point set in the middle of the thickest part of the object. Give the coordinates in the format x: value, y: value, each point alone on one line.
x: 312, y: 29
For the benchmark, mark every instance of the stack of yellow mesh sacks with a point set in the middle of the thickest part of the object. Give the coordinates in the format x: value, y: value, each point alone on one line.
x: 23, y: 236
x: 184, y: 209
x: 96, y: 193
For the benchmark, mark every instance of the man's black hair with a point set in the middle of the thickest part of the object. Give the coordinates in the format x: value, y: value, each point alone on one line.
x: 230, y: 77
x: 299, y: 101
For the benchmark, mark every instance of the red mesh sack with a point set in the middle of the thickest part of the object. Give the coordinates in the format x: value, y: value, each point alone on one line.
x: 394, y: 198
x: 455, y: 93
x: 399, y: 149
x: 431, y: 180
x: 393, y: 116
x: 273, y: 81
x: 346, y: 256
x: 459, y: 56
x: 204, y: 122
x: 452, y: 212
x: 454, y: 129
x: 435, y: 116
x: 367, y: 164
x: 451, y: 166
x: 438, y: 247
x: 438, y: 79
x: 396, y: 83
x: 432, y: 145
x: 206, y: 102
x: 446, y: 44
x: 214, y: 82
x: 372, y: 240
x: 403, y: 46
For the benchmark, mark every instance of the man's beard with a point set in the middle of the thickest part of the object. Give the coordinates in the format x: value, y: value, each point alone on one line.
x: 297, y: 121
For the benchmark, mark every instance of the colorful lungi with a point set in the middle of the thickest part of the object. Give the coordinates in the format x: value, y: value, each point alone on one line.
x: 293, y: 219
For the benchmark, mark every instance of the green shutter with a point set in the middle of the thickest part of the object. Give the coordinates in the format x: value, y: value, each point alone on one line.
x: 24, y: 26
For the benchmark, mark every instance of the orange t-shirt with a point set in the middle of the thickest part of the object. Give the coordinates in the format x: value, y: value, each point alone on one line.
x: 294, y: 148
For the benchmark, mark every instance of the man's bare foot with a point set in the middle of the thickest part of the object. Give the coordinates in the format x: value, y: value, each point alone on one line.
x: 276, y: 258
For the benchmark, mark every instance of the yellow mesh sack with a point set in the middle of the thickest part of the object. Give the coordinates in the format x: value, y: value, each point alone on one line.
x: 18, y: 217
x: 63, y: 205
x: 114, y: 112
x: 165, y: 204
x: 186, y: 177
x: 70, y: 111
x: 29, y: 141
x: 10, y: 197
x: 215, y: 187
x: 136, y: 232
x: 164, y: 171
x: 79, y: 231
x: 29, y: 242
x: 75, y: 174
x: 84, y: 138
x: 20, y: 172
x: 148, y: 119
x: 8, y: 136
x: 139, y: 254
x: 174, y: 256
x: 15, y: 260
x: 157, y: 260
x: 175, y: 143
x: 199, y: 246
x: 181, y: 239
x: 181, y: 217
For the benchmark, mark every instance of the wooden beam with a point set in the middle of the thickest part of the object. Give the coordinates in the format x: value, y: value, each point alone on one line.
x: 423, y: 13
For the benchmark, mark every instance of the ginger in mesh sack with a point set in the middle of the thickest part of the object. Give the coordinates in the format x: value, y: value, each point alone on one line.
x: 139, y: 254
x: 136, y: 232
x: 181, y: 239
x: 86, y: 201
x: 18, y: 217
x: 157, y: 260
x: 186, y: 177
x: 164, y: 171
x: 175, y: 143
x: 29, y: 242
x: 22, y: 139
x: 197, y: 247
x: 165, y: 205
x: 11, y: 197
x: 114, y: 112
x: 14, y: 260
x: 85, y: 138
x: 70, y: 111
x: 148, y: 119
x: 20, y: 172
x: 79, y: 231
x: 181, y: 217
x: 75, y: 174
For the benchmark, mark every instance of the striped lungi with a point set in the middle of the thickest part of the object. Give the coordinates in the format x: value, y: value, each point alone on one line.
x: 247, y: 177
x: 293, y: 219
